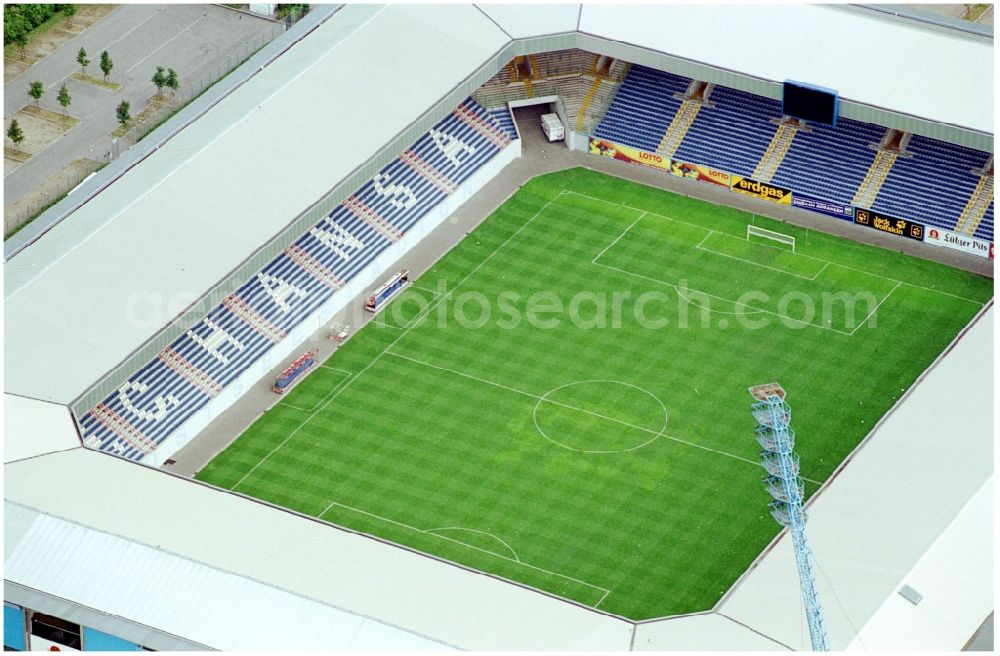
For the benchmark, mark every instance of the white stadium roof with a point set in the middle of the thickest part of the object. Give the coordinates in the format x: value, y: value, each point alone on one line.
x: 222, y: 188
x: 181, y: 221
x: 180, y: 225
x: 920, y: 72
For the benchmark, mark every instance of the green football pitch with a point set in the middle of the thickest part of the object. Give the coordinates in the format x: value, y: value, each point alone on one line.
x: 562, y: 399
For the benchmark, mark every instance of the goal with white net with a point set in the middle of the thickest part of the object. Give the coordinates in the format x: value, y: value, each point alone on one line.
x: 764, y: 233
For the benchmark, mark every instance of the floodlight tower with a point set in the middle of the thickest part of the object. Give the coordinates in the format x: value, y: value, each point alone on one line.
x: 783, y: 483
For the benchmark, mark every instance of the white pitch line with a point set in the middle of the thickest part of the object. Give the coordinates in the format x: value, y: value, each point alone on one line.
x: 473, y: 530
x: 736, y: 303
x: 763, y: 266
x: 466, y: 545
x: 709, y: 234
x: 637, y: 209
x: 847, y: 242
x: 571, y: 407
x: 624, y: 232
x: 874, y: 309
x: 319, y: 406
x: 343, y: 371
x: 528, y: 394
x: 289, y: 405
x: 424, y: 289
x: 429, y: 308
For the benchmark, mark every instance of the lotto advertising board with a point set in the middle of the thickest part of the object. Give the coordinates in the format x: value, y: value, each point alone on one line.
x: 964, y: 243
x: 700, y: 173
x: 628, y: 154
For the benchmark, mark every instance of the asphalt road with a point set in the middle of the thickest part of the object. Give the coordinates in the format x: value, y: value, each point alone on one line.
x: 198, y: 41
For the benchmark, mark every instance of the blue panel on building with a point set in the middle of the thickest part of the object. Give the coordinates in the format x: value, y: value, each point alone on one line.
x: 13, y: 627
x: 94, y: 640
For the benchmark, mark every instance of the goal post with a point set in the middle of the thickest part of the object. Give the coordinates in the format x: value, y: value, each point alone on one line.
x: 764, y: 233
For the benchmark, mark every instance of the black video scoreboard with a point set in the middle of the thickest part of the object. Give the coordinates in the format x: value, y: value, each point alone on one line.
x: 810, y: 102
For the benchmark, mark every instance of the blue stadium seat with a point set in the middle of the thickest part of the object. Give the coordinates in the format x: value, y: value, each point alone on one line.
x: 164, y: 398
x: 503, y: 116
x: 641, y: 111
x: 931, y: 187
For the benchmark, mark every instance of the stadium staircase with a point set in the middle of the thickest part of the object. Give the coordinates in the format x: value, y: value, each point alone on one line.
x: 933, y: 184
x: 504, y: 119
x: 829, y: 162
x: 697, y: 94
x: 853, y: 163
x: 979, y: 202
x: 875, y: 178
x: 643, y: 109
x: 200, y: 364
x: 733, y: 134
x: 780, y: 144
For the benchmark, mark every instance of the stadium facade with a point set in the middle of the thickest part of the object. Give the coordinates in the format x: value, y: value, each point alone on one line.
x: 159, y: 248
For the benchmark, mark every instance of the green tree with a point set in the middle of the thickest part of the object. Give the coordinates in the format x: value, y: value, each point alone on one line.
x: 81, y: 59
x: 36, y: 13
x: 106, y: 64
x: 35, y: 90
x: 15, y: 134
x: 64, y: 98
x: 122, y: 112
x: 21, y: 41
x: 14, y: 23
x: 160, y: 80
x: 15, y: 27
x: 69, y: 11
x: 172, y: 82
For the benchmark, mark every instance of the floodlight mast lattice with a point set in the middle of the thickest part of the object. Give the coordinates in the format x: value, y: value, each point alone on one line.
x: 777, y: 456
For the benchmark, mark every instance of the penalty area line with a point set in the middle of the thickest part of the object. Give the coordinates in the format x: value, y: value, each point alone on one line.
x: 605, y: 592
x: 846, y: 243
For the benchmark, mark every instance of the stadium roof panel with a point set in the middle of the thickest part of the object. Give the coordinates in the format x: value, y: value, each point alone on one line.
x: 332, y: 566
x: 525, y: 21
x: 33, y: 427
x: 150, y: 585
x: 878, y: 517
x: 232, y: 180
x: 179, y: 222
x: 927, y: 73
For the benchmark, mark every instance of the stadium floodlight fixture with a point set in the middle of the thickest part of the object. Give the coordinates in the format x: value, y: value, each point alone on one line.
x: 777, y: 441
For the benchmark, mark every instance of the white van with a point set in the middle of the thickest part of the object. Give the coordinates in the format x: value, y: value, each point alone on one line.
x: 553, y: 127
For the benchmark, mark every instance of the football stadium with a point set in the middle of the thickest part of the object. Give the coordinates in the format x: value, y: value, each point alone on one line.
x: 504, y: 327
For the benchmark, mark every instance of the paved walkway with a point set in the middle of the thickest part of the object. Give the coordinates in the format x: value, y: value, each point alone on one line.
x: 198, y: 41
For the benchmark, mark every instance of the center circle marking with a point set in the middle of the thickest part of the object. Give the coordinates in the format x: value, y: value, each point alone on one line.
x: 545, y: 399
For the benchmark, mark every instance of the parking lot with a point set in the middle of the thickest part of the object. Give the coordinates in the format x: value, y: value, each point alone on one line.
x: 200, y: 42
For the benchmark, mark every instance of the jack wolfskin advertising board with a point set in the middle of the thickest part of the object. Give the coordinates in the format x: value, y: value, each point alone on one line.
x: 889, y: 224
